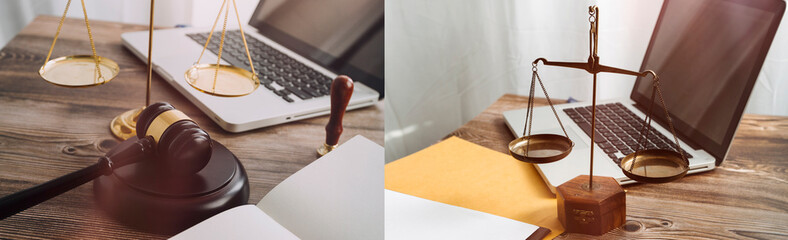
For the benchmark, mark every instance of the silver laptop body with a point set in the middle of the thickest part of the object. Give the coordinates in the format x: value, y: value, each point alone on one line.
x: 705, y: 93
x: 174, y: 53
x: 577, y: 162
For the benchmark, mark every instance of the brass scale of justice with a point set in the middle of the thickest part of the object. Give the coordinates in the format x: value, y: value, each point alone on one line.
x: 92, y: 70
x: 644, y: 165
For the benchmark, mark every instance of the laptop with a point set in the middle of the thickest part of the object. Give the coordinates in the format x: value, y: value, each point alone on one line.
x: 708, y: 55
x: 298, y: 48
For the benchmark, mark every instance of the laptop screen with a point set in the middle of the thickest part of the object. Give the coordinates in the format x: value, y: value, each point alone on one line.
x: 708, y: 55
x: 345, y: 36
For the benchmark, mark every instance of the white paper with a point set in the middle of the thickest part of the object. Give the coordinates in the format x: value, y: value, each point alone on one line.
x: 409, y: 217
x: 242, y: 222
x: 339, y: 196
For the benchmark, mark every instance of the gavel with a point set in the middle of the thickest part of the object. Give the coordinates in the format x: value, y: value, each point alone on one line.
x: 341, y: 91
x: 164, y: 134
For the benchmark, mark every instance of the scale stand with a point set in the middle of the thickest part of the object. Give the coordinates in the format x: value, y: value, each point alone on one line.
x: 586, y: 204
x: 124, y: 125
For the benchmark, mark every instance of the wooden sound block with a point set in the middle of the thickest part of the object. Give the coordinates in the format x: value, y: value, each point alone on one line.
x: 144, y: 196
x: 591, y: 211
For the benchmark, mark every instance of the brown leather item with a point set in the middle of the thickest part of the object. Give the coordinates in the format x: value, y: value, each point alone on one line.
x: 341, y: 91
x: 539, y: 234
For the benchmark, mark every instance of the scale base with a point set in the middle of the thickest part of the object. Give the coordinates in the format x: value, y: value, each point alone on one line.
x: 124, y: 125
x: 142, y: 196
x: 595, y: 211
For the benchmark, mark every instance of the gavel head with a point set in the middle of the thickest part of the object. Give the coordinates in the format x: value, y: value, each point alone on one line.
x: 181, y: 146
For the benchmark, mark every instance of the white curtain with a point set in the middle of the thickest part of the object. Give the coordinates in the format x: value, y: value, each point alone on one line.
x: 16, y: 14
x: 448, y: 60
x: 770, y: 94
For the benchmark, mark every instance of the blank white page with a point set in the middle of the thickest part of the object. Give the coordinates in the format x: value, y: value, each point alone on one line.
x: 409, y: 217
x: 243, y: 222
x: 339, y: 196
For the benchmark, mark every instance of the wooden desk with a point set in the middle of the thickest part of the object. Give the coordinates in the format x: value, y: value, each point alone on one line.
x: 47, y: 131
x: 745, y: 197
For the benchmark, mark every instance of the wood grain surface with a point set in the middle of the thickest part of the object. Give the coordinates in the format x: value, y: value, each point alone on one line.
x: 48, y: 131
x: 744, y: 198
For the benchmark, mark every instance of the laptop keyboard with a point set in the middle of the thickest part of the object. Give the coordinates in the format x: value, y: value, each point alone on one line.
x: 618, y: 130
x: 279, y: 73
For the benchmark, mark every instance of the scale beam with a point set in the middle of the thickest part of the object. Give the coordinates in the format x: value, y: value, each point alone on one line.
x: 593, y: 67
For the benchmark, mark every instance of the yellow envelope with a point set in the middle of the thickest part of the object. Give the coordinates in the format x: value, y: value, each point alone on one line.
x: 464, y: 174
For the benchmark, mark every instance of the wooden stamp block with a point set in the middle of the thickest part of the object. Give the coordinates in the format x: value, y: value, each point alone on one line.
x: 594, y: 210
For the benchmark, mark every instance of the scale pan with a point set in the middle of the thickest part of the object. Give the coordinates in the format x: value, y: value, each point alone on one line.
x: 543, y: 148
x: 654, y: 166
x: 231, y: 81
x: 78, y: 71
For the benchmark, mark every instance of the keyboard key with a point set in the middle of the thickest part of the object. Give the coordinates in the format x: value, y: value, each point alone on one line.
x: 287, y: 84
x: 277, y: 79
x: 605, y: 145
x: 587, y: 128
x: 627, y: 151
x: 621, y: 147
x: 298, y: 92
x: 313, y: 92
x: 323, y: 90
x: 282, y: 92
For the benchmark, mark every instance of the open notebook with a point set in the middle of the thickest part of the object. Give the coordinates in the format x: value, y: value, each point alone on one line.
x: 338, y: 196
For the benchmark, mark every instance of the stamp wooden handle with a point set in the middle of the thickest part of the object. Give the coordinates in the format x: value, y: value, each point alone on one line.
x: 341, y: 90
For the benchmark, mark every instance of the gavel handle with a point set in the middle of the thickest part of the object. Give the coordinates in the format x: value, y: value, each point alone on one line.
x: 17, y: 202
